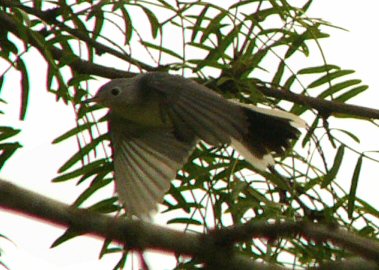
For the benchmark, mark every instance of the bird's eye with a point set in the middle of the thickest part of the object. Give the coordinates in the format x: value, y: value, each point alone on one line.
x: 115, y: 91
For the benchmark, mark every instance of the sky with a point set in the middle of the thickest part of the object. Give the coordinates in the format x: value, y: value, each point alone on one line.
x: 36, y: 164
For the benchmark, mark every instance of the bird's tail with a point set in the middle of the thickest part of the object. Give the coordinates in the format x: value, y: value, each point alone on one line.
x: 271, y: 132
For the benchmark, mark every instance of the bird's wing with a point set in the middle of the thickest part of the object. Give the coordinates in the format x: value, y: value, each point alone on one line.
x: 193, y: 107
x: 144, y: 165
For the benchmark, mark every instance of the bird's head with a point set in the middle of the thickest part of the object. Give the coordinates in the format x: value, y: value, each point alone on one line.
x: 117, y: 92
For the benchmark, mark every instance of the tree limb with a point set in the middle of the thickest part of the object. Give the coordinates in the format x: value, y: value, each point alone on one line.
x: 134, y: 234
x: 351, y: 264
x: 214, y: 248
x: 320, y: 233
x: 325, y: 107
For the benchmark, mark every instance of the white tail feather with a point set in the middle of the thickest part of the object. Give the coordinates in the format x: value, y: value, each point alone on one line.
x: 259, y: 163
x: 295, y: 120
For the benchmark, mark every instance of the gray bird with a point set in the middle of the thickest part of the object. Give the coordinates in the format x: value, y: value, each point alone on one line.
x: 156, y: 120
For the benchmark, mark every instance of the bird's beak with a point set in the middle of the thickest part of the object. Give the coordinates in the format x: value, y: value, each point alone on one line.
x: 94, y: 99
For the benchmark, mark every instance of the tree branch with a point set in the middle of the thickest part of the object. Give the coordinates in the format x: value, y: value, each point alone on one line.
x: 351, y: 264
x: 134, y: 234
x: 77, y: 64
x: 325, y: 107
x: 320, y: 233
x: 46, y: 16
x: 214, y: 248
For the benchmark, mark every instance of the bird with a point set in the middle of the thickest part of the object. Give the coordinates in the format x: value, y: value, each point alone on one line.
x: 156, y: 119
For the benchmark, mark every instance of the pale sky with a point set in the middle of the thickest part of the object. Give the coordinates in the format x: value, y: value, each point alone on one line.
x: 36, y: 164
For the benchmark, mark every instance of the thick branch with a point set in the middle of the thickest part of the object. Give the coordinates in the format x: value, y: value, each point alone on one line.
x: 325, y: 107
x: 320, y: 233
x: 134, y: 234
x: 213, y: 248
x: 351, y: 264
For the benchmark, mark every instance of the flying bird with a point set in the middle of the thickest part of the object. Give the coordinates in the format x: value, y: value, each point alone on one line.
x: 156, y: 120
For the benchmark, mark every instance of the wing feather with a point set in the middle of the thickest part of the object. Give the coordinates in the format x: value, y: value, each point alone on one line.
x: 211, y: 117
x: 218, y: 109
x: 144, y: 168
x: 145, y: 164
x: 219, y: 121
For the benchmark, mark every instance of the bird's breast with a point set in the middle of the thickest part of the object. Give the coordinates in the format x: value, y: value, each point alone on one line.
x: 150, y: 115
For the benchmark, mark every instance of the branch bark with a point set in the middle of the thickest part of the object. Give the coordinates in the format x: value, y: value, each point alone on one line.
x: 215, y: 248
x: 134, y: 234
x: 324, y: 107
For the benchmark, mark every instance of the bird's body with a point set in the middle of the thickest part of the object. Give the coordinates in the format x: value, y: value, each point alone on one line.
x: 156, y: 120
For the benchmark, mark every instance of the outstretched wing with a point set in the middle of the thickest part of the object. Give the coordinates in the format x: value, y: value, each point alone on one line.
x: 194, y: 108
x: 255, y: 132
x: 145, y: 163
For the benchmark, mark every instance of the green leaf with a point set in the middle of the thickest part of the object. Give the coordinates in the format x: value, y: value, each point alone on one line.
x: 197, y: 25
x: 243, y: 2
x: 337, y: 87
x: 277, y: 180
x: 367, y: 208
x: 99, y: 22
x: 72, y: 132
x: 353, y: 187
x: 279, y: 73
x: 7, y: 132
x: 220, y: 50
x: 351, y: 93
x: 24, y: 88
x: 318, y: 69
x: 306, y: 6
x: 1, y: 82
x: 154, y: 23
x: 287, y: 85
x: 296, y: 42
x: 105, y: 206
x: 331, y: 174
x: 181, y: 201
x: 329, y: 77
x: 95, y: 186
x: 167, y: 5
x: 78, y: 156
x: 187, y: 221
x: 67, y: 235
x: 310, y: 132
x: 79, y: 25
x: 162, y: 49
x: 87, y: 170
x: 6, y: 151
x: 213, y: 26
x: 262, y: 14
x: 350, y: 134
x: 127, y: 24
x: 367, y: 231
